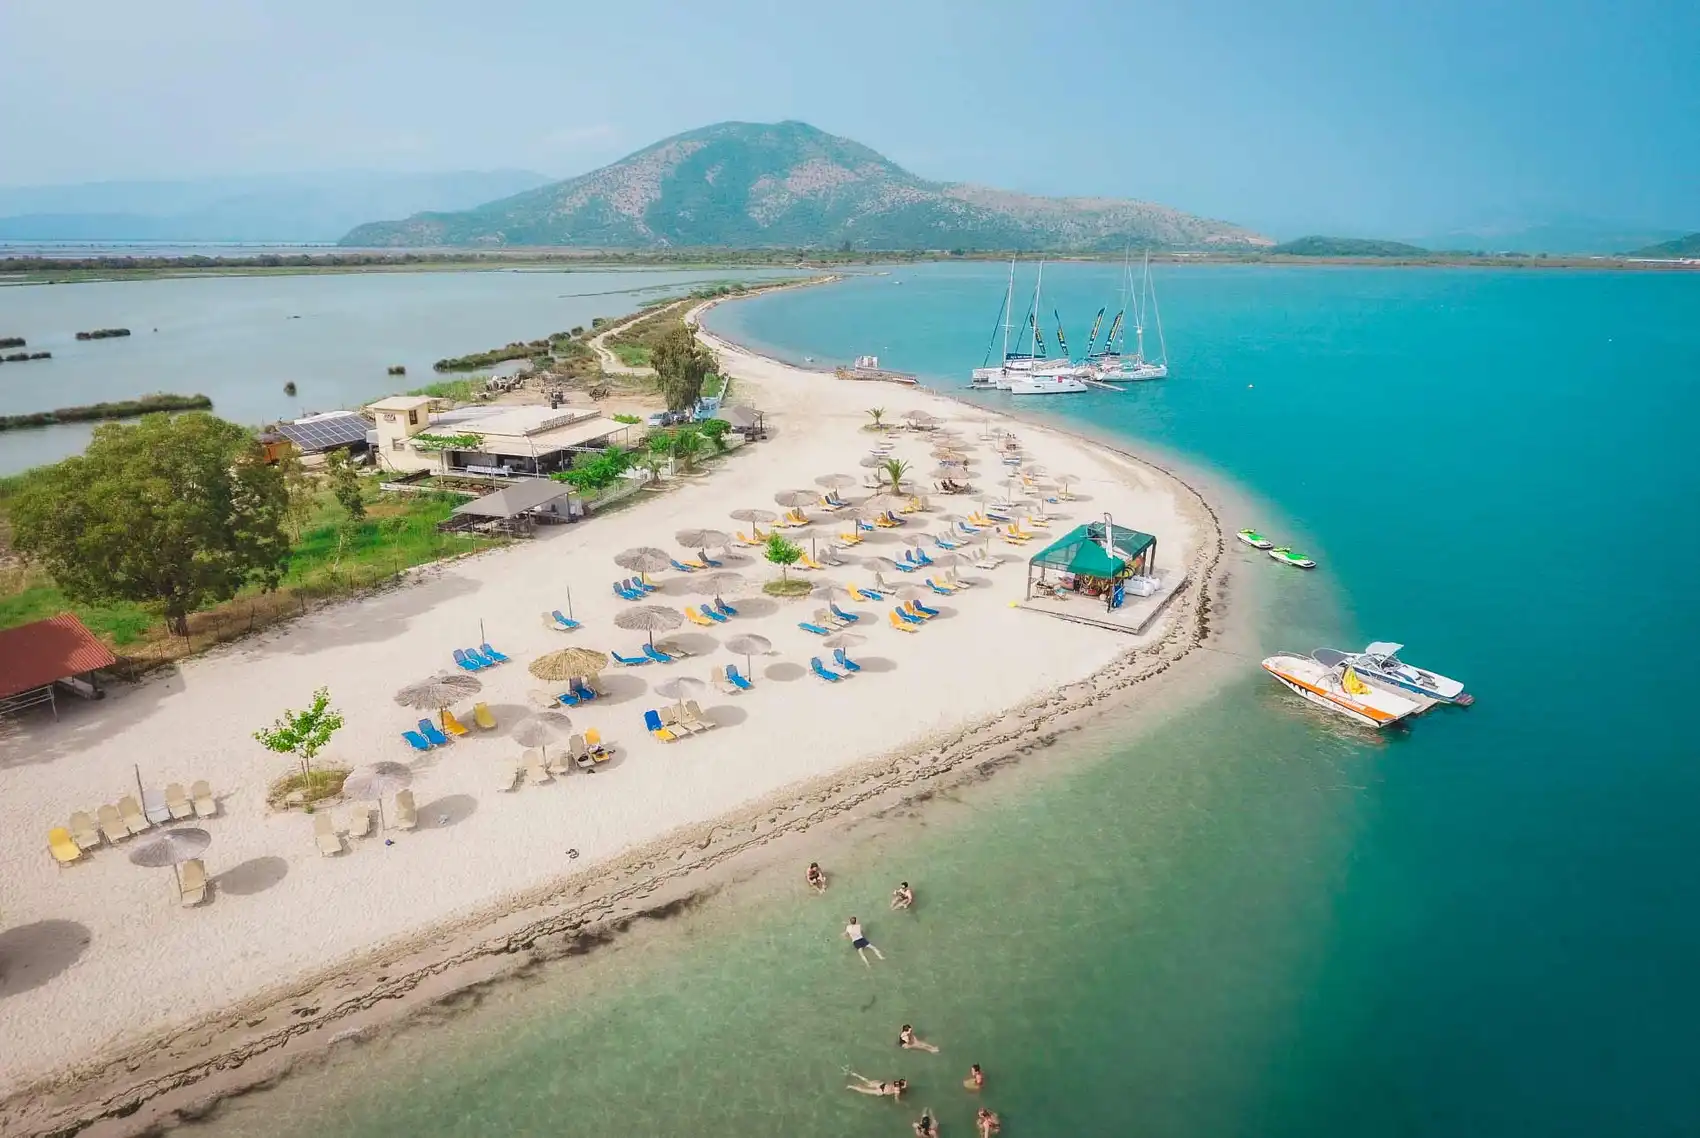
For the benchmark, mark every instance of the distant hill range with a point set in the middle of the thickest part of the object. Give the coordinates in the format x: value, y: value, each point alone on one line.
x: 1348, y: 247
x: 744, y: 185
x: 1688, y: 246
x: 281, y: 209
x: 1566, y: 233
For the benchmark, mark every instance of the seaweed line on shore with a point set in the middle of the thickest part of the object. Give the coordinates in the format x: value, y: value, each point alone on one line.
x: 583, y: 911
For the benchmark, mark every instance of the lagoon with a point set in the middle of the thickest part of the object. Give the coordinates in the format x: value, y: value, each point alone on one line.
x: 239, y: 339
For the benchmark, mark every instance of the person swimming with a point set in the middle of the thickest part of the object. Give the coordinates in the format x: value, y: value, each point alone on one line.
x: 879, y: 1088
x: 815, y: 877
x: 976, y: 1077
x: 860, y: 942
x: 902, y: 897
x: 987, y: 1122
x: 926, y: 1126
x: 909, y: 1041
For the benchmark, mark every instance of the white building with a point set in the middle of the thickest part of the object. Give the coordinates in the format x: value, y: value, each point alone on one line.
x: 486, y: 439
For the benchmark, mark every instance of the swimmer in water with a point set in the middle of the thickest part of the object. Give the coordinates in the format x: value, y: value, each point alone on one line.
x: 860, y: 942
x: 815, y: 878
x: 902, y: 897
x: 927, y: 1126
x: 976, y: 1077
x: 987, y: 1122
x: 879, y: 1088
x: 909, y: 1041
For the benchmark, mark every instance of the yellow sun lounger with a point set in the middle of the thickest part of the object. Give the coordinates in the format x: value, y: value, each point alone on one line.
x: 695, y: 617
x: 481, y: 715
x: 452, y: 725
x: 899, y: 623
x: 807, y: 562
x: 205, y: 805
x: 60, y: 845
x: 83, y: 830
x: 193, y: 882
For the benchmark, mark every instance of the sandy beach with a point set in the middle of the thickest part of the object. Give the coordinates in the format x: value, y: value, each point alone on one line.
x: 127, y: 999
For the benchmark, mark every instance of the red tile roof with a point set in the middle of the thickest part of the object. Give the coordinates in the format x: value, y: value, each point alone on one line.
x: 34, y: 655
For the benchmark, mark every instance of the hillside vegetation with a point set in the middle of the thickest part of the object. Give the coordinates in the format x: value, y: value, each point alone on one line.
x: 1348, y: 247
x: 748, y: 185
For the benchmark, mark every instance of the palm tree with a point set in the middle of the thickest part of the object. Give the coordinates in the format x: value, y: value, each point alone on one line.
x: 877, y: 414
x: 654, y: 463
x: 686, y: 446
x: 895, y: 469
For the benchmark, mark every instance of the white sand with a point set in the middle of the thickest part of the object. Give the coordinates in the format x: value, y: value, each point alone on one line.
x: 287, y: 912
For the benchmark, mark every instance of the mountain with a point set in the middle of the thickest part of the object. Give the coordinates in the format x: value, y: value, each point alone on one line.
x: 1563, y: 234
x: 789, y: 184
x: 1688, y: 246
x: 283, y: 209
x: 1348, y: 247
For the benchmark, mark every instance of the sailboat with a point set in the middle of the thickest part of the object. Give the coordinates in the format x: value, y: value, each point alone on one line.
x: 1045, y: 377
x: 1112, y: 363
x: 1017, y: 366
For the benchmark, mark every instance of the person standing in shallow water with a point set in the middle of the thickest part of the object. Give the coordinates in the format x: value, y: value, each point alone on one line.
x: 860, y: 942
x: 815, y: 877
x: 976, y: 1077
x: 909, y: 1041
x: 987, y: 1122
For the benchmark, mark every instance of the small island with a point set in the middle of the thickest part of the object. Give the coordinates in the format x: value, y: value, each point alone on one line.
x: 397, y: 369
x: 103, y: 334
x: 21, y: 357
x: 12, y: 341
x: 127, y: 409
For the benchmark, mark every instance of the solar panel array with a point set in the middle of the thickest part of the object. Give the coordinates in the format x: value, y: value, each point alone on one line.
x: 322, y: 434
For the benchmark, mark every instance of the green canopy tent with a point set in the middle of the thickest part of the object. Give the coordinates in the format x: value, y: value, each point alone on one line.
x: 1097, y: 550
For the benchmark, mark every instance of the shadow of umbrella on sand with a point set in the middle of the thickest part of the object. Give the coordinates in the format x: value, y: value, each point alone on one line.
x: 378, y: 782
x: 438, y: 693
x: 173, y: 848
x: 650, y: 619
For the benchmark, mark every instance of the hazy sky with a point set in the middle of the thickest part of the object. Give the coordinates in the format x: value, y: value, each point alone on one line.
x: 1389, y: 116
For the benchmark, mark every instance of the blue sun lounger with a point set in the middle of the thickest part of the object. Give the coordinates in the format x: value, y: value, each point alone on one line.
x: 469, y: 663
x: 823, y: 671
x: 814, y: 628
x: 417, y: 741
x: 937, y: 588
x: 429, y: 730
x: 584, y: 692
x: 564, y: 623
x: 737, y: 678
x: 657, y: 654
x: 844, y: 661
x: 702, y: 556
x: 721, y: 606
x: 909, y: 618
x: 923, y: 609
x: 479, y: 658
x: 491, y: 654
x: 628, y: 661
x: 681, y: 566
x: 568, y: 698
x: 625, y: 592
x: 841, y: 614
x: 714, y: 614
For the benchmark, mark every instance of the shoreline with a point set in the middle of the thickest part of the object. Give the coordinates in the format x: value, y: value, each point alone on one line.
x: 183, y: 1070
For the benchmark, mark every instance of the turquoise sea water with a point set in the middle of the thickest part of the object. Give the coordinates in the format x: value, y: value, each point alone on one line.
x: 1243, y: 919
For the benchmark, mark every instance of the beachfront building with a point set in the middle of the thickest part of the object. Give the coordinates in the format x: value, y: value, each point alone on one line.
x: 40, y: 660
x: 493, y: 440
x: 1098, y: 559
x: 315, y: 436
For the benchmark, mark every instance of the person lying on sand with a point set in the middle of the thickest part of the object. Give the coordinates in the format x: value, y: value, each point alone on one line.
x: 860, y: 942
x: 902, y: 897
x: 815, y: 878
x: 976, y: 1077
x: 987, y: 1122
x: 927, y: 1126
x: 879, y: 1088
x: 909, y: 1041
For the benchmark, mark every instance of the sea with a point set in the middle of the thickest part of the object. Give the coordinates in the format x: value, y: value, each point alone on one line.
x: 240, y: 339
x: 1240, y: 916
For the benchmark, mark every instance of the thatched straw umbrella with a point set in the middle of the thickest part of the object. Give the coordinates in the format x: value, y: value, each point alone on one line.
x: 650, y: 619
x: 703, y: 538
x: 173, y: 848
x: 795, y: 498
x: 644, y: 559
x: 568, y: 664
x: 748, y: 645
x: 836, y: 481
x: 712, y: 584
x: 377, y: 782
x: 439, y: 692
x: 754, y: 515
x: 680, y: 688
x: 541, y: 729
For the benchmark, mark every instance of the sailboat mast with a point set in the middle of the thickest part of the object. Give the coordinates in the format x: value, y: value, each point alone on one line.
x: 1162, y: 346
x: 1008, y: 311
x: 1038, y: 281
x: 1139, y: 323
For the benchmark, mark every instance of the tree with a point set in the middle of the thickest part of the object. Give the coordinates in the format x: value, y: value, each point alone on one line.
x: 781, y: 552
x: 176, y: 512
x: 682, y: 364
x: 877, y: 414
x: 714, y: 430
x: 302, y: 493
x: 345, y: 484
x: 654, y: 463
x: 303, y: 733
x: 895, y: 469
x: 687, y: 444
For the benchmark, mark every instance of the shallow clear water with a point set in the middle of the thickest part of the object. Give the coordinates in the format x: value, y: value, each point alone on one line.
x: 240, y: 339
x: 1246, y: 918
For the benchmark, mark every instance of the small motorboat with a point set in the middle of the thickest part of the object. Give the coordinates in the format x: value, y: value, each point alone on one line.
x: 1290, y: 557
x: 1340, y: 689
x: 1380, y: 664
x: 1254, y: 539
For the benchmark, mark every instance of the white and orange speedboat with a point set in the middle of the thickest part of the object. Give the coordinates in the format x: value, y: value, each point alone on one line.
x: 1340, y: 690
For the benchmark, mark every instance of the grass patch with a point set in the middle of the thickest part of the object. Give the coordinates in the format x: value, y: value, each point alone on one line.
x: 459, y: 390
x: 790, y: 587
x: 632, y: 355
x: 316, y: 786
